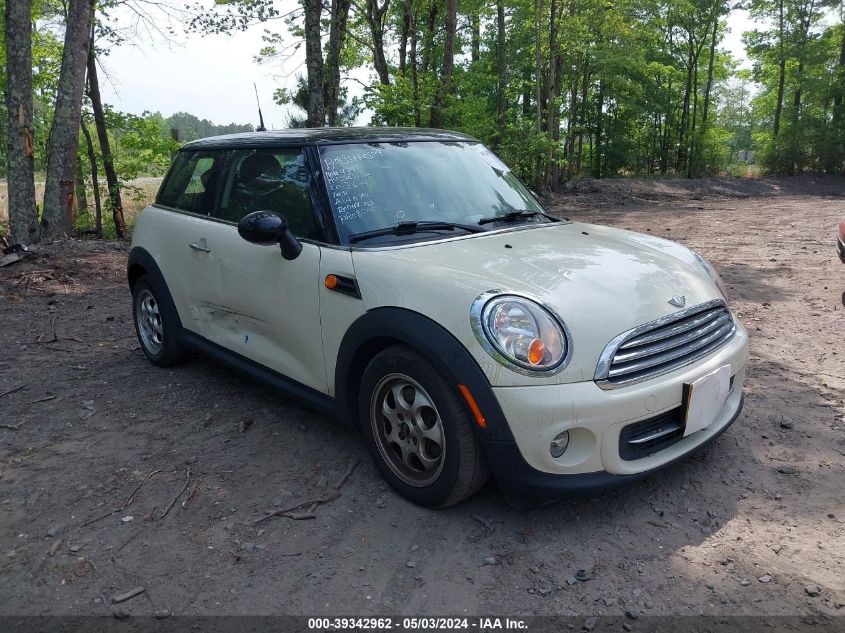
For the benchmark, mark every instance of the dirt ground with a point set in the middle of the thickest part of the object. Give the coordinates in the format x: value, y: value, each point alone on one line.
x: 103, y: 442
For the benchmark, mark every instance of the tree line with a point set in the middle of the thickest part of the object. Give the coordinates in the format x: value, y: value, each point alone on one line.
x: 59, y: 125
x: 559, y: 88
x: 569, y: 88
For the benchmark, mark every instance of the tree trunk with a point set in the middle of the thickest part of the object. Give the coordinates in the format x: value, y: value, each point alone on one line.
x: 681, y: 163
x: 552, y: 94
x: 404, y: 35
x: 428, y: 42
x: 526, y: 92
x: 64, y: 133
x: 412, y: 25
x: 538, y: 62
x: 781, y: 73
x: 23, y: 213
x: 81, y: 194
x: 95, y: 181
x: 475, y: 42
x: 445, y: 86
x: 582, y: 118
x: 597, y: 170
x: 105, y: 146
x: 706, y: 108
x: 502, y: 67
x: 314, y: 63
x: 375, y: 18
x: 571, y: 119
x: 796, y: 164
x: 337, y: 34
x: 692, y: 160
x: 838, y: 161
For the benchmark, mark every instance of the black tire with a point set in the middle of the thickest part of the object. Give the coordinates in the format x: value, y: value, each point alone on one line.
x: 461, y: 470
x: 169, y: 350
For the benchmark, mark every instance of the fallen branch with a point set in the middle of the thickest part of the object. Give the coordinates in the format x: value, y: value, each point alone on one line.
x: 137, y: 488
x: 347, y: 473
x: 99, y: 518
x: 126, y: 542
x: 309, y: 507
x: 292, y: 513
x: 12, y: 427
x: 122, y: 597
x: 13, y: 390
x: 44, y: 399
x: 191, y: 496
x: 179, y: 494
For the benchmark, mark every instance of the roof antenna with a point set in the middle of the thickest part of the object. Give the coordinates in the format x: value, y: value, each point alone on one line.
x: 260, y: 127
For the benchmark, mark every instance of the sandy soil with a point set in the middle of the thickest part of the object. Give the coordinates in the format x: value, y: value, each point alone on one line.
x: 752, y: 525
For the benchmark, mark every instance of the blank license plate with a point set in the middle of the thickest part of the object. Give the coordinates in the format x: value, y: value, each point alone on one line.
x: 705, y: 397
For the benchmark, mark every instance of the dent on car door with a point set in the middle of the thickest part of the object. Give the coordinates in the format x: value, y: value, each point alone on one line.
x: 186, y: 202
x: 265, y: 307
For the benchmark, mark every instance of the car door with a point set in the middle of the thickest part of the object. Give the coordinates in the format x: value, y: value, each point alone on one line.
x: 264, y: 307
x: 183, y: 211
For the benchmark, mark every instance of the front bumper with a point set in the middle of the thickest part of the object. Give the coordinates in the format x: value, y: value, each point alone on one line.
x: 595, y: 419
x: 516, y: 477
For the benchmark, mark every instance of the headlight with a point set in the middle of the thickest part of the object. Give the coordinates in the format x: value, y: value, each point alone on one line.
x: 708, y: 268
x: 520, y: 333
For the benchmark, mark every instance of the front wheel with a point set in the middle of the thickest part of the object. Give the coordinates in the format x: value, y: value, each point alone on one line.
x: 419, y: 430
x: 156, y: 322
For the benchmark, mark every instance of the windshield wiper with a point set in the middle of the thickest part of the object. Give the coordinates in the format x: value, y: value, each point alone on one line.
x: 410, y: 227
x: 511, y: 216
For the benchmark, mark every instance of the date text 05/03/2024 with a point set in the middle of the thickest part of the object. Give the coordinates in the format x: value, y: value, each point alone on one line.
x: 481, y: 624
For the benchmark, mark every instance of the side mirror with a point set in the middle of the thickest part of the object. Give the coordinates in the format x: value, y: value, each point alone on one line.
x: 265, y: 227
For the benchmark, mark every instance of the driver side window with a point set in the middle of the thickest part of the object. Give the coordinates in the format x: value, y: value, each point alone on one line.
x: 273, y: 180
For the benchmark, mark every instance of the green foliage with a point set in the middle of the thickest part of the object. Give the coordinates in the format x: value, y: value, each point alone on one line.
x: 348, y: 110
x: 191, y: 128
x: 141, y: 149
x: 802, y: 125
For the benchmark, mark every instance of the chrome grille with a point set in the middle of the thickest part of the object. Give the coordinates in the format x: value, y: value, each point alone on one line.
x: 665, y: 344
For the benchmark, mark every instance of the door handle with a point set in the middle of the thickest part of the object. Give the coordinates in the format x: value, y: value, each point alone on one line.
x: 199, y: 247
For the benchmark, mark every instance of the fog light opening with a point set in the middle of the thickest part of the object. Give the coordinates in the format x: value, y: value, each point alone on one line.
x: 559, y: 444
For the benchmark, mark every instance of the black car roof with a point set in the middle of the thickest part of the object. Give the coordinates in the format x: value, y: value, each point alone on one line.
x: 324, y: 136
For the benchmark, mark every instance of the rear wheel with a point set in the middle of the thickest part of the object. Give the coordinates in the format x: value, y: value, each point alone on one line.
x: 418, y: 429
x: 156, y: 322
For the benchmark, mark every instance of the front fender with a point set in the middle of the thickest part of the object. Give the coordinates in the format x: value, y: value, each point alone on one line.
x: 389, y: 325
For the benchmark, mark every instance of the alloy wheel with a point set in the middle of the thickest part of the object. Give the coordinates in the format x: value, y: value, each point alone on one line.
x: 148, y: 318
x: 408, y: 429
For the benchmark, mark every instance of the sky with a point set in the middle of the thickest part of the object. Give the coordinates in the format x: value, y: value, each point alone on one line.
x: 212, y: 76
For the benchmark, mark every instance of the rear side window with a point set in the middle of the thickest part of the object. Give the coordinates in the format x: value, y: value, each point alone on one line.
x: 269, y: 180
x: 193, y: 182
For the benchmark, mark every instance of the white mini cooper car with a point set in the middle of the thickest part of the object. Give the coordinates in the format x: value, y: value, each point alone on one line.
x: 407, y: 283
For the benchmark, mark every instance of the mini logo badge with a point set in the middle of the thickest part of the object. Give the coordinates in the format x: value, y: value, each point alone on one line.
x: 679, y: 301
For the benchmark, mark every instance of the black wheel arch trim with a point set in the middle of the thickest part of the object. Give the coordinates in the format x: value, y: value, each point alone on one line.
x: 434, y: 342
x: 139, y: 256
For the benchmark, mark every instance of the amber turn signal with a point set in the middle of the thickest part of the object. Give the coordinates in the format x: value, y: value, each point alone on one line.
x: 473, y: 406
x: 536, y: 351
x: 331, y: 282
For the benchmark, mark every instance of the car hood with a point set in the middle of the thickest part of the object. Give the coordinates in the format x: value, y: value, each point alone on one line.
x: 601, y: 281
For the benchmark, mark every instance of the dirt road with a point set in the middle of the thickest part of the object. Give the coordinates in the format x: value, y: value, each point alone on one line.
x: 753, y: 524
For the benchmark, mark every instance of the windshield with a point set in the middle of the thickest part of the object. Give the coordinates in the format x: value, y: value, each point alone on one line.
x: 377, y: 186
